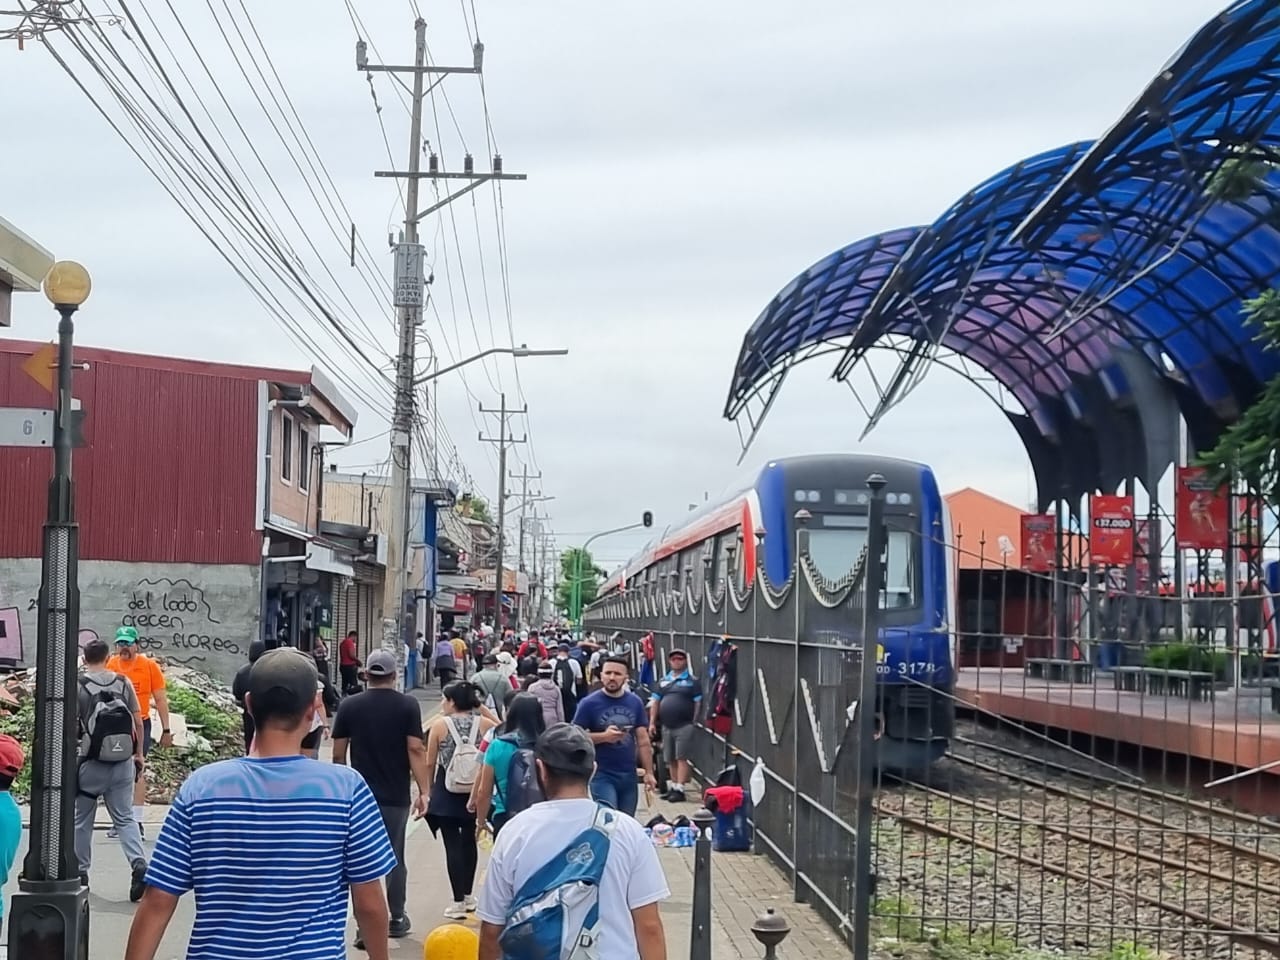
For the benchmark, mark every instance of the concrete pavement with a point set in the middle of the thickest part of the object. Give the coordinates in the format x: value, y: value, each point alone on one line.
x: 743, y: 885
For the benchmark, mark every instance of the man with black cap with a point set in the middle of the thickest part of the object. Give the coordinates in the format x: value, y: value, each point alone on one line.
x: 384, y: 731
x: 240, y: 686
x: 571, y: 829
x: 272, y: 844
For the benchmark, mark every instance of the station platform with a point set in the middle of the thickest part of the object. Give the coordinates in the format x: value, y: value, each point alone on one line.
x: 1236, y: 729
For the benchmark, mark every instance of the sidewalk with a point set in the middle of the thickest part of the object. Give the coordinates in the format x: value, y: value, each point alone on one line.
x: 743, y: 885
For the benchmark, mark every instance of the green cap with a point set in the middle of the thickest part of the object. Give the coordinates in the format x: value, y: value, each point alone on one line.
x: 126, y: 635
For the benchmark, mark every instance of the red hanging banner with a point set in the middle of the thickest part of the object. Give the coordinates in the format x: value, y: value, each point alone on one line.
x: 1199, y: 510
x: 1038, y: 546
x: 1110, y: 530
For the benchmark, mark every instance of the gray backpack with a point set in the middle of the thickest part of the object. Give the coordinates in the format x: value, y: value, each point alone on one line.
x: 107, y: 730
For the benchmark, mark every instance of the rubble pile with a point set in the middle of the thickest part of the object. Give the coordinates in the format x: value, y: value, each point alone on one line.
x: 203, y: 716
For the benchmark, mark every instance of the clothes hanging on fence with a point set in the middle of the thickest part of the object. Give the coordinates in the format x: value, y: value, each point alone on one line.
x: 724, y: 690
x: 648, y: 672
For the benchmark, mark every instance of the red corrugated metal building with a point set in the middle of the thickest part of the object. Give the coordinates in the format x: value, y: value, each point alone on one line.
x: 171, y: 470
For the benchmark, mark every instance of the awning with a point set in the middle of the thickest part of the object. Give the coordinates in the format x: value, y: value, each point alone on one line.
x: 326, y: 560
x: 457, y: 581
x: 287, y: 531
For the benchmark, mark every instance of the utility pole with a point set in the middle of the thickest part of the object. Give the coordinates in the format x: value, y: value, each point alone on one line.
x: 502, y: 440
x: 526, y: 498
x: 411, y: 279
x: 524, y: 478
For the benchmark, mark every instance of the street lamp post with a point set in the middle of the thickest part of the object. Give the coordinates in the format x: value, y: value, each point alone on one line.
x: 49, y: 917
x: 575, y: 588
x: 519, y: 353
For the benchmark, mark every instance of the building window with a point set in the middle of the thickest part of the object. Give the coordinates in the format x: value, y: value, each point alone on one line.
x: 286, y: 448
x: 304, y: 458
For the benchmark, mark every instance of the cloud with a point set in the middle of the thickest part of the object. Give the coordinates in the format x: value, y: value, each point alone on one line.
x: 685, y: 162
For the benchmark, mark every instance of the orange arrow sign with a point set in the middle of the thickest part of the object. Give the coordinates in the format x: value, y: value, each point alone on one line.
x: 40, y: 366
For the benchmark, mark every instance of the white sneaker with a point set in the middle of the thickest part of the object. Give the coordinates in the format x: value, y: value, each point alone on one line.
x: 469, y: 904
x: 456, y: 911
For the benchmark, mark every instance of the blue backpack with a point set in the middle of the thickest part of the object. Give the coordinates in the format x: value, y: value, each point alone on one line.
x: 555, y: 914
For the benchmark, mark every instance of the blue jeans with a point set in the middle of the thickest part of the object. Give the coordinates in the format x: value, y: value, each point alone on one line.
x: 618, y: 790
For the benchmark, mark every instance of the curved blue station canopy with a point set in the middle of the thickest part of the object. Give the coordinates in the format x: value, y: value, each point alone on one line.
x: 1102, y: 311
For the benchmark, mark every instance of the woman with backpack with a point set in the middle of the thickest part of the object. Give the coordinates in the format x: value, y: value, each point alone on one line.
x: 444, y: 664
x: 453, y: 753
x: 508, y: 780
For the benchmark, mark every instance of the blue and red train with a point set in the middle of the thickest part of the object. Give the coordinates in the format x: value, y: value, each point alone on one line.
x: 916, y: 663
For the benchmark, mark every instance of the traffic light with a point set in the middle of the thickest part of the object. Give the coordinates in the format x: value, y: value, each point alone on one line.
x: 647, y: 518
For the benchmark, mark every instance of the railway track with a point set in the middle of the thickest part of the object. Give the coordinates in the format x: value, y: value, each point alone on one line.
x: 1175, y: 856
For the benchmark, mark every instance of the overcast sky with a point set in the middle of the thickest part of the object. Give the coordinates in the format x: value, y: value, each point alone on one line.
x: 685, y: 161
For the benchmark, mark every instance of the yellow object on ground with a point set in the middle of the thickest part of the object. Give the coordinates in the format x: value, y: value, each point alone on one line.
x: 452, y: 941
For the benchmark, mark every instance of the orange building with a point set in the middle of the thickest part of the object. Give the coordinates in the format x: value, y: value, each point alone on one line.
x: 1004, y: 614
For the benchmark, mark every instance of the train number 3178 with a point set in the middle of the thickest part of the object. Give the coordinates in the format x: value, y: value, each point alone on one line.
x: 916, y: 668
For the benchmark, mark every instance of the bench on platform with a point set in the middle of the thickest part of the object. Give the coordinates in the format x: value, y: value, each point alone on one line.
x: 1191, y: 684
x: 1069, y: 671
x: 1129, y: 679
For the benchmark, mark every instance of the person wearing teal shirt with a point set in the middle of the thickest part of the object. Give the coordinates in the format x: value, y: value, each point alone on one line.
x: 522, y: 727
x: 12, y: 760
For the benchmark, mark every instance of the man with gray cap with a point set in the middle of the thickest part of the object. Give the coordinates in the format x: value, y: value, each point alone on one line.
x: 383, y: 729
x: 272, y: 844
x: 559, y: 843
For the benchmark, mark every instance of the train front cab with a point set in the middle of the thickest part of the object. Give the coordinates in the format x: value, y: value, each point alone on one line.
x: 915, y: 704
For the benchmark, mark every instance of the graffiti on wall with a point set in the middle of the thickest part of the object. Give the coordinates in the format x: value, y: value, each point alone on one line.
x: 174, y: 617
x: 11, y: 632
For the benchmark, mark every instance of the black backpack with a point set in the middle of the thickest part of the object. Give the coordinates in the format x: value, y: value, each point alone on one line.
x: 565, y: 679
x: 107, y: 729
x: 523, y: 789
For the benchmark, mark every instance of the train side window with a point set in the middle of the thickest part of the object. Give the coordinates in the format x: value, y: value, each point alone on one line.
x: 722, y: 568
x: 701, y: 571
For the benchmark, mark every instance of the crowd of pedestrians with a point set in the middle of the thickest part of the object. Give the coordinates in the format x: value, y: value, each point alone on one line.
x: 539, y: 747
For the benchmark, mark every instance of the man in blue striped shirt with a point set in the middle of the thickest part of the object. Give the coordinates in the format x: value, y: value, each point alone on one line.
x: 271, y: 844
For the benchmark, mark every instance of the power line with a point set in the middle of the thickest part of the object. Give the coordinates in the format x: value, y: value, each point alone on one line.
x: 182, y: 178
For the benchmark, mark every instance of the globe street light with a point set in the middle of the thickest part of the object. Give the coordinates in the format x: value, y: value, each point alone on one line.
x: 50, y: 913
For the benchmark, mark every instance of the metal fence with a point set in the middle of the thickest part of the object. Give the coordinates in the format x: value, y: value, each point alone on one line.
x: 1100, y: 795
x: 797, y: 708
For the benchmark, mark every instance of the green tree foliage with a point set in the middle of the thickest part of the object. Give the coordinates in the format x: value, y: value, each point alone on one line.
x: 1250, y: 447
x: 477, y: 508
x: 591, y: 577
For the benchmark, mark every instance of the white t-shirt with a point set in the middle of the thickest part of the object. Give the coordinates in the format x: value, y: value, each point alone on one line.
x: 574, y: 667
x: 317, y: 721
x: 633, y: 878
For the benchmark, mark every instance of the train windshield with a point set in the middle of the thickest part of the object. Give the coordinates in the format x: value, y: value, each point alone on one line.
x: 836, y: 541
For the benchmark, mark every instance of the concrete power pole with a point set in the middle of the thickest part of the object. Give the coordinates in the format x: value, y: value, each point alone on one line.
x: 411, y: 279
x: 502, y: 440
